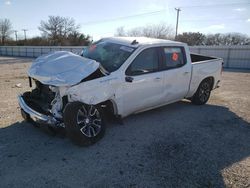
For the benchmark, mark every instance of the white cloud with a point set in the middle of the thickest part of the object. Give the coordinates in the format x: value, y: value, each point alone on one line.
x: 7, y: 2
x: 248, y: 20
x: 151, y: 7
x: 209, y: 29
x: 216, y: 26
x: 240, y: 9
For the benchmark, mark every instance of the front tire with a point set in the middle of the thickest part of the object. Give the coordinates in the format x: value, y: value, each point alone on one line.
x: 84, y: 123
x: 202, y: 94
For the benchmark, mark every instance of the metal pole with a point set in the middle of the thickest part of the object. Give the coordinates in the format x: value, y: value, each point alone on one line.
x: 177, y: 21
x: 24, y: 30
x: 227, y: 65
x: 16, y: 34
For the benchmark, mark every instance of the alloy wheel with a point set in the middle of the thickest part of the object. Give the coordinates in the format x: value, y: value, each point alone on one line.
x: 89, y: 120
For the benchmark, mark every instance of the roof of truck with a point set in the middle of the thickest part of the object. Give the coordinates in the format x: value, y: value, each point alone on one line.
x: 138, y: 41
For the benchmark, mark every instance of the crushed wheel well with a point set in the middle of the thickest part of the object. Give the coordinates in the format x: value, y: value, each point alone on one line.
x: 108, y: 108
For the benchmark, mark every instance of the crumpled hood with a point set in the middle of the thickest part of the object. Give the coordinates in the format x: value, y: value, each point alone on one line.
x: 61, y: 68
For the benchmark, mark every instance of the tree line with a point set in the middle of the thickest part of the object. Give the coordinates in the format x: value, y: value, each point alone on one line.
x: 218, y: 39
x: 56, y: 31
x: 63, y: 31
x: 164, y: 31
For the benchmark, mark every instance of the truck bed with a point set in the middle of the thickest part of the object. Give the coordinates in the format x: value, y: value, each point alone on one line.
x: 196, y: 58
x: 203, y: 67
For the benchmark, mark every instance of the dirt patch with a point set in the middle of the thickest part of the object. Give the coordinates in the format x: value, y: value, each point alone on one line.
x: 179, y: 145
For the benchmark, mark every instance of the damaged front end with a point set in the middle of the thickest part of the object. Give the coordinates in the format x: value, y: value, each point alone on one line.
x: 53, y: 74
x: 42, y: 105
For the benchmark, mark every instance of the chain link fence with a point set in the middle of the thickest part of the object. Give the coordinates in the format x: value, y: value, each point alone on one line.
x: 234, y: 56
x: 35, y: 51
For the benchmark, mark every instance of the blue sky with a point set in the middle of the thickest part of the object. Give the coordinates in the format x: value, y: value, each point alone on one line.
x: 101, y: 18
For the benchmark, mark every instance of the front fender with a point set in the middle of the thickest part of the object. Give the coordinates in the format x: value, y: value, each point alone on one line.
x: 92, y: 92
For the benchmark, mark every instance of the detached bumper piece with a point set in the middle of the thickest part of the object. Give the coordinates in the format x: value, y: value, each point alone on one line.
x: 28, y: 112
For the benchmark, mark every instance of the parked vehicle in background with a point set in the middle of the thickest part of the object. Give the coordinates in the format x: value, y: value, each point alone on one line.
x: 118, y: 76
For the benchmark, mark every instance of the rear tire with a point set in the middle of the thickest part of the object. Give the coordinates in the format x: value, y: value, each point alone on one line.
x: 84, y: 123
x: 202, y: 94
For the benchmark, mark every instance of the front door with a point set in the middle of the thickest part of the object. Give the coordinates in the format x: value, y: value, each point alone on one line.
x: 143, y: 86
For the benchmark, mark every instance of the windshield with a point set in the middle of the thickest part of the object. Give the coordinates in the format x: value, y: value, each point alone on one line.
x: 110, y: 55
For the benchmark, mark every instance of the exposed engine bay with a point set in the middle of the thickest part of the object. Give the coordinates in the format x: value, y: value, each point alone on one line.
x: 45, y: 100
x: 53, y: 74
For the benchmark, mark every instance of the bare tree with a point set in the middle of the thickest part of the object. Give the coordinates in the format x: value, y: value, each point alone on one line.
x: 236, y: 39
x: 5, y: 30
x: 192, y: 38
x: 58, y: 28
x: 214, y: 39
x: 77, y: 38
x: 161, y: 30
x: 120, y: 32
x: 136, y: 32
x: 227, y: 39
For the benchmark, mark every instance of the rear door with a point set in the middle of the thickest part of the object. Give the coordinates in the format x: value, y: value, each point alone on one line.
x: 143, y: 87
x: 177, y: 73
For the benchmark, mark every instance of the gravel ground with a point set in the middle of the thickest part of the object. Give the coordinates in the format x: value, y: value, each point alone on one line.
x: 179, y: 145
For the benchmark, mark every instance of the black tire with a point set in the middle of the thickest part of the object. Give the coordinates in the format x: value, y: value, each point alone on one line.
x: 82, y: 127
x: 202, y: 94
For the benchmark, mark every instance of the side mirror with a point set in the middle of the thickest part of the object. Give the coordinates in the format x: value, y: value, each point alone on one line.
x: 129, y: 79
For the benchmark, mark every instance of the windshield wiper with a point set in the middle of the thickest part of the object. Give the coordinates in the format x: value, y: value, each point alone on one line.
x: 103, y: 70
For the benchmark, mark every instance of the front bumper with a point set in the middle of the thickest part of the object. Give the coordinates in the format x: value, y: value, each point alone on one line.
x: 37, y: 116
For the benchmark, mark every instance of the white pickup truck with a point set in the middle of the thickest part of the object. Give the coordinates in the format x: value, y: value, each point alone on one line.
x: 118, y: 76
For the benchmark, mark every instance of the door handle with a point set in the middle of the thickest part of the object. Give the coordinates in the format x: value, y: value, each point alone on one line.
x: 157, y: 78
x: 186, y: 72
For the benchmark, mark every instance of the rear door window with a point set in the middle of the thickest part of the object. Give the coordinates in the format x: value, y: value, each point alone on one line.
x: 173, y: 57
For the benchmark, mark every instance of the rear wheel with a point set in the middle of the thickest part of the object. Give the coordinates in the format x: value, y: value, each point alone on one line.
x: 202, y: 94
x: 84, y: 123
